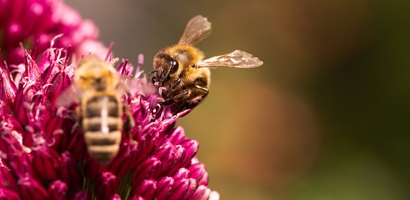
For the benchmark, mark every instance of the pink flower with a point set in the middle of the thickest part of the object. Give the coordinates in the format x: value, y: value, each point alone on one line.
x: 43, y: 154
x: 34, y: 23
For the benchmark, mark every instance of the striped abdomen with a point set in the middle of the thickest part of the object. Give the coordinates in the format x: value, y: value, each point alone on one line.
x: 102, y: 126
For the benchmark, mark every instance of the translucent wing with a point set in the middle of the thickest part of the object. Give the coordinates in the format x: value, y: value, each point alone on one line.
x: 135, y: 86
x: 236, y: 59
x: 68, y: 96
x: 197, y: 29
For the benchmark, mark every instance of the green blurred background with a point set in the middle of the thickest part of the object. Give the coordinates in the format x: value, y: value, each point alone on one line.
x: 326, y: 116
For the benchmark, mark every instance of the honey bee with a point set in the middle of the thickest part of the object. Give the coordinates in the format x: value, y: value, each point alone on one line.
x: 100, y: 110
x: 183, y: 74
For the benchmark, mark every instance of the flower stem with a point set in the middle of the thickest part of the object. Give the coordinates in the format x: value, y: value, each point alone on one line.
x: 125, y: 185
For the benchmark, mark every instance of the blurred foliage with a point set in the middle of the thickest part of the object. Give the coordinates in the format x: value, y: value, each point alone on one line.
x: 336, y: 74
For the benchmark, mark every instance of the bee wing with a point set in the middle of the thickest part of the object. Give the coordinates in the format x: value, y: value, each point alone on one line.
x: 236, y: 59
x: 197, y: 29
x: 68, y: 96
x: 135, y: 86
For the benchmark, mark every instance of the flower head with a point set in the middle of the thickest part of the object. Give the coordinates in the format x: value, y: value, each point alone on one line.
x: 43, y: 154
x: 34, y: 23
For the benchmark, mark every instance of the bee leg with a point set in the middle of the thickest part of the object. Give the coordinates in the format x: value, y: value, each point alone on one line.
x: 202, y: 90
x: 129, y: 123
x: 79, y: 116
x: 165, y: 76
x: 175, y: 84
x: 168, y: 102
x: 152, y: 76
x: 183, y: 95
x: 181, y: 100
x: 78, y: 125
x: 199, y: 94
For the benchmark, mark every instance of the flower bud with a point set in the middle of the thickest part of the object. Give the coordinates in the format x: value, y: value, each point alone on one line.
x: 150, y: 168
x: 82, y: 195
x: 21, y: 166
x: 77, y: 146
x: 147, y: 146
x: 96, y: 48
x: 125, y: 160
x: 8, y: 194
x: 191, y: 148
x: 201, y: 193
x: 16, y: 55
x: 58, y: 190
x: 177, y: 136
x: 214, y: 196
x: 7, y: 180
x: 59, y: 82
x: 36, y: 12
x: 183, y: 189
x: 105, y: 185
x: 164, y: 187
x: 197, y: 171
x: 92, y: 169
x: 54, y: 131
x: 7, y: 87
x: 70, y: 173
x: 179, y: 155
x: 182, y: 173
x: 14, y: 32
x: 146, y: 190
x: 168, y: 154
x: 19, y: 108
x: 136, y: 198
x: 29, y: 189
x: 46, y: 163
x: 115, y: 197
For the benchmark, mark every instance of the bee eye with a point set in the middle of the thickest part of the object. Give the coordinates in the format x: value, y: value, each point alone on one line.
x: 174, y: 66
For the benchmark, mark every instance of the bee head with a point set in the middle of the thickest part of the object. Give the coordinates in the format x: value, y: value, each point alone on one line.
x: 175, y: 62
x: 166, y: 67
x: 95, y: 74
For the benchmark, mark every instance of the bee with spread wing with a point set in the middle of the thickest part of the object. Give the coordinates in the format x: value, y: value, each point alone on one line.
x: 182, y: 70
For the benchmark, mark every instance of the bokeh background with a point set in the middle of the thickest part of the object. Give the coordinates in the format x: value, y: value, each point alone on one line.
x: 326, y: 116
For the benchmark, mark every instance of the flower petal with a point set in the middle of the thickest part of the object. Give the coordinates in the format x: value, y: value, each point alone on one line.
x: 46, y: 162
x: 164, y: 187
x: 77, y: 146
x: 183, y: 188
x: 92, y: 169
x: 7, y: 87
x: 182, y: 173
x: 106, y: 184
x: 69, y: 172
x: 146, y: 190
x: 58, y: 190
x: 197, y: 171
x: 31, y: 189
x: 82, y: 195
x: 201, y: 193
x: 150, y: 168
x: 177, y: 136
x: 8, y: 194
x: 169, y: 155
x: 125, y: 160
x: 115, y: 197
x: 7, y: 180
